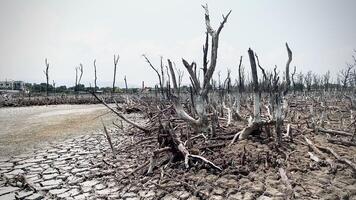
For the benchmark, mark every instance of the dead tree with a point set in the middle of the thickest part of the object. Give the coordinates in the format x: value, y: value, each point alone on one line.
x: 126, y: 89
x: 326, y: 80
x: 201, y: 91
x: 287, y: 69
x: 46, y: 74
x: 54, y: 87
x: 176, y: 146
x: 174, y: 80
x: 95, y: 78
x: 256, y: 91
x: 241, y: 77
x: 78, y: 79
x: 308, y: 80
x: 116, y: 60
x: 293, y: 80
x: 158, y: 74
x: 256, y: 122
x: 345, y: 75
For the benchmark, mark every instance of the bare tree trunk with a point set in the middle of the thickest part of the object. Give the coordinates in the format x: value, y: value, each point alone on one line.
x: 95, y: 78
x: 116, y: 60
x: 158, y: 74
x: 241, y: 81
x: 256, y: 91
x: 126, y: 89
x: 47, y: 77
x: 287, y: 70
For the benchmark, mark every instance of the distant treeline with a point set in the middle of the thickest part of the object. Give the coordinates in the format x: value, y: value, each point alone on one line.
x: 41, y: 88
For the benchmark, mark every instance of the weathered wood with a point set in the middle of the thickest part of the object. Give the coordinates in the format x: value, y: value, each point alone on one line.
x: 286, y: 182
x: 334, y: 132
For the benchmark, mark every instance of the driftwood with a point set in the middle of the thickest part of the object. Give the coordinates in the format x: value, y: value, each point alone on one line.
x: 334, y: 132
x: 253, y: 126
x: 286, y: 182
x: 321, y: 154
x: 341, y: 142
x: 108, y: 137
x: 339, y: 158
x: 116, y: 60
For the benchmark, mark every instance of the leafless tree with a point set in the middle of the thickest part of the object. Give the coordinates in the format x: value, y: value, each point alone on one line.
x: 126, y: 88
x: 116, y: 60
x: 158, y: 74
x: 308, y: 78
x: 287, y: 69
x: 241, y: 77
x: 293, y: 80
x: 54, y: 87
x: 326, y: 80
x: 95, y: 77
x: 345, y: 75
x: 78, y: 79
x: 202, y: 90
x: 46, y: 74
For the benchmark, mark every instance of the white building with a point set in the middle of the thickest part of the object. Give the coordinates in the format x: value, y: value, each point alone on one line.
x: 12, y: 85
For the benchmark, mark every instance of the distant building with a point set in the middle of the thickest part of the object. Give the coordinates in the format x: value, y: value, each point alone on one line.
x: 12, y: 85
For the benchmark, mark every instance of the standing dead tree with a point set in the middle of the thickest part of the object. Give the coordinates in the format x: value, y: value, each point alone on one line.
x: 256, y: 122
x: 116, y: 60
x: 293, y: 80
x: 46, y: 74
x: 126, y: 89
x: 78, y: 79
x: 176, y: 146
x: 241, y: 77
x: 345, y: 75
x: 158, y: 74
x: 290, y: 55
x: 308, y: 80
x: 326, y: 80
x: 201, y: 91
x: 95, y: 78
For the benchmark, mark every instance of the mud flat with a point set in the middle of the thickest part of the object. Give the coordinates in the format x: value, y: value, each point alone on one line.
x: 24, y: 128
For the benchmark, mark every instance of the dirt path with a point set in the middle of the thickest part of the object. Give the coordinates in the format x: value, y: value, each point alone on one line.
x: 24, y: 128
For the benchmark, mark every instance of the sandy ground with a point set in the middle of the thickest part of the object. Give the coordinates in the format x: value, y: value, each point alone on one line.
x: 24, y: 128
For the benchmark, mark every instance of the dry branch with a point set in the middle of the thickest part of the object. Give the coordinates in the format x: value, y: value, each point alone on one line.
x: 120, y: 115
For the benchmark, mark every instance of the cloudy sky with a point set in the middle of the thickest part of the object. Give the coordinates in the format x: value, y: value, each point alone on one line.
x: 321, y: 34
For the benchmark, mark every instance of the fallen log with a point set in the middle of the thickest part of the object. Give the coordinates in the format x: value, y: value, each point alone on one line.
x: 244, y: 133
x: 334, y: 132
x: 321, y: 154
x: 341, y: 142
x: 339, y: 158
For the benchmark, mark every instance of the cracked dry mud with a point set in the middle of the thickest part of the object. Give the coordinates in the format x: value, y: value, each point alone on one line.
x: 82, y: 167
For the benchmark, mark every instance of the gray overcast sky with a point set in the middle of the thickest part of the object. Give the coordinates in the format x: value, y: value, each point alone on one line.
x: 321, y: 34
